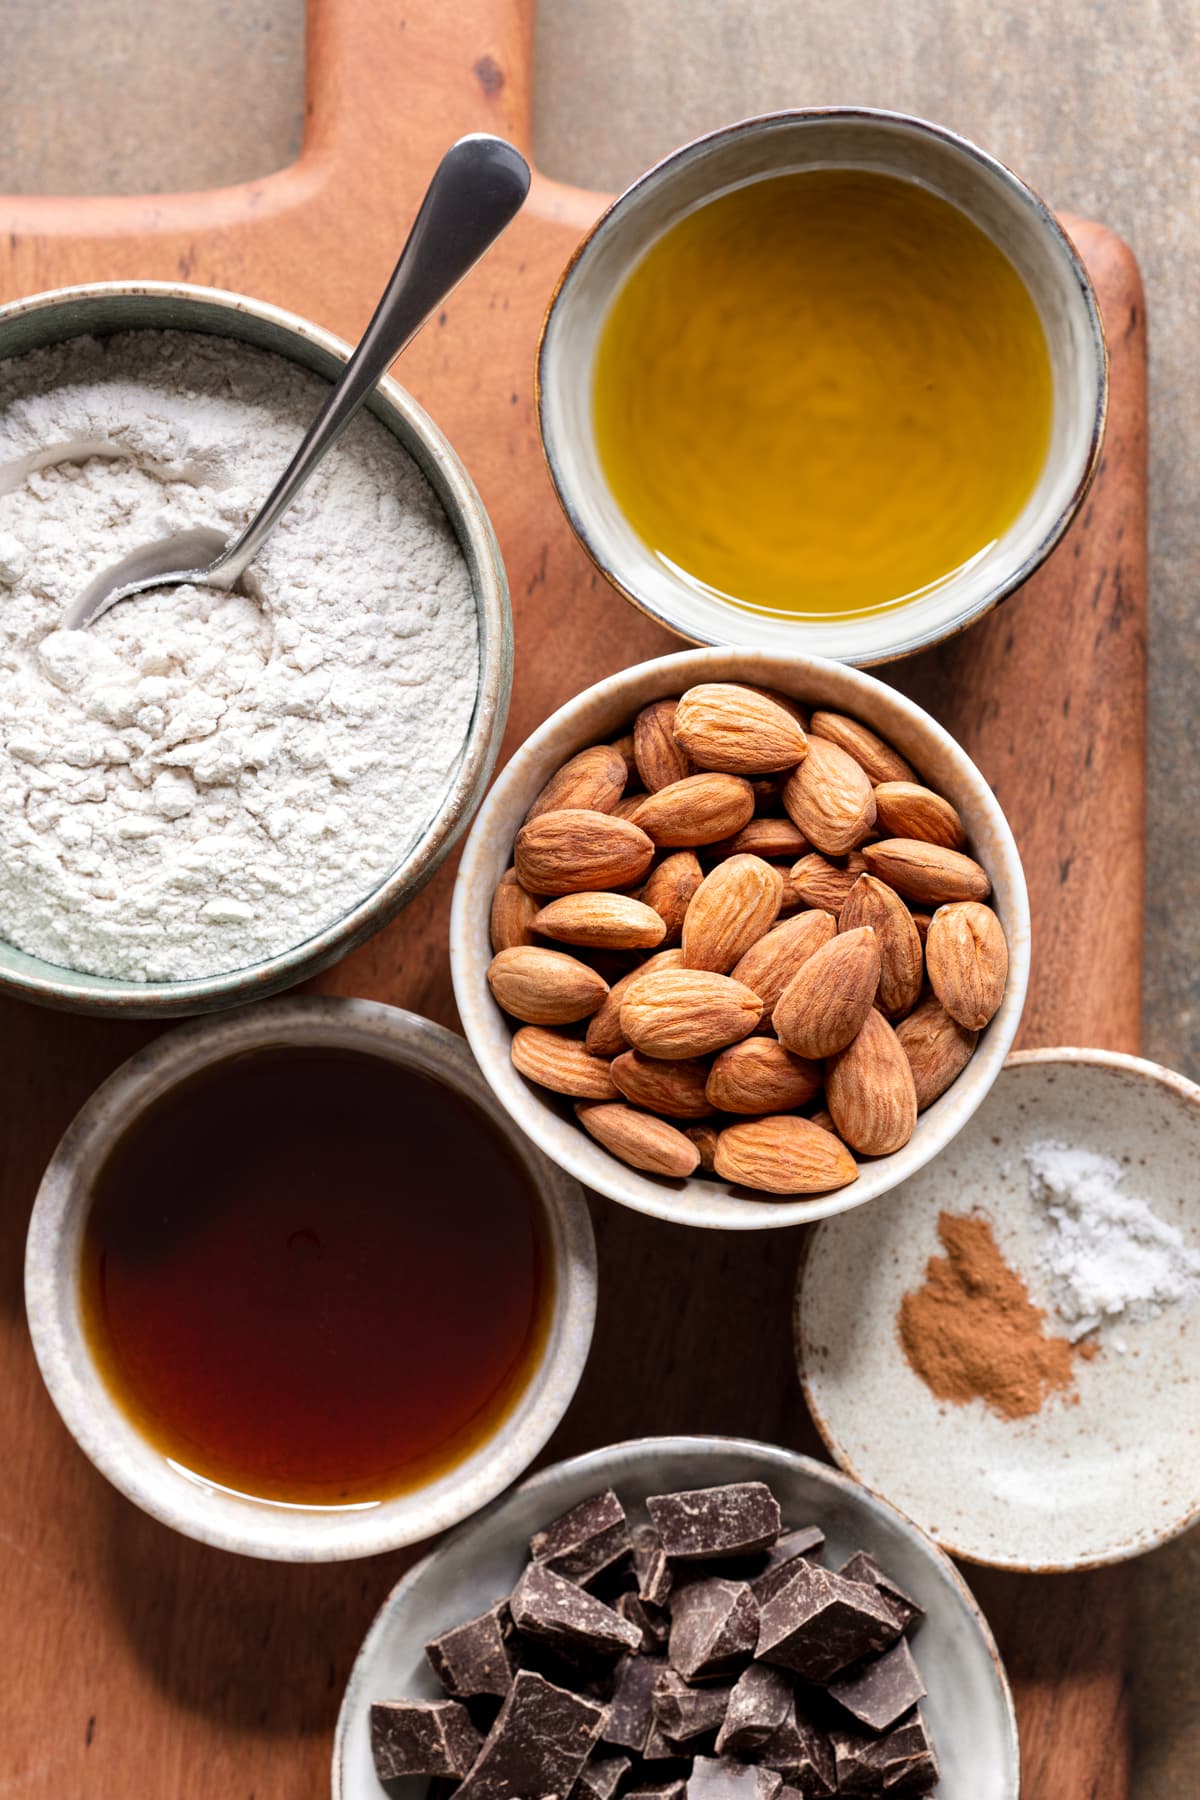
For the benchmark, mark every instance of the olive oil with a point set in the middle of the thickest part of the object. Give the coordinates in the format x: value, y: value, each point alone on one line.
x: 822, y: 394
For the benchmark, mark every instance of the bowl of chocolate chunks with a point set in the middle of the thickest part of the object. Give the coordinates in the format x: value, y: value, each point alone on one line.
x: 680, y: 1619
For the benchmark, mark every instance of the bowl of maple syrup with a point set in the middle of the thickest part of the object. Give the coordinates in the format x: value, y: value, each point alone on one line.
x: 299, y: 1288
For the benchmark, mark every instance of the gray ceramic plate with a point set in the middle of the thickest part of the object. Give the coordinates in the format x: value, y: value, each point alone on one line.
x: 969, y: 1709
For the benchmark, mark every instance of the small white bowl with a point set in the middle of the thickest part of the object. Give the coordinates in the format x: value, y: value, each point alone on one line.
x: 969, y: 1708
x: 599, y: 714
x: 99, y: 1425
x: 1008, y: 212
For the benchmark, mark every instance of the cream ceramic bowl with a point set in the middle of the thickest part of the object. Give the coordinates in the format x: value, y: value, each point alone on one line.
x: 106, y: 307
x: 847, y: 138
x: 100, y: 1427
x: 601, y: 713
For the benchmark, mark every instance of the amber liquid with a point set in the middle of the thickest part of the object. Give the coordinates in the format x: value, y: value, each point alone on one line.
x: 313, y: 1277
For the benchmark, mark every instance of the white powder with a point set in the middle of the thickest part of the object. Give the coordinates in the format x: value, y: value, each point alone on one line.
x: 1109, y: 1255
x: 200, y: 780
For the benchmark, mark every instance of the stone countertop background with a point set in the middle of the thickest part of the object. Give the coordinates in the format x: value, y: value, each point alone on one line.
x: 1092, y: 101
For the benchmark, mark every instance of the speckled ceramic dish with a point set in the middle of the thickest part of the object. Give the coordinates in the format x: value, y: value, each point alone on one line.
x: 969, y: 1708
x: 105, y: 307
x: 1099, y: 1474
x: 217, y: 1516
x: 599, y: 714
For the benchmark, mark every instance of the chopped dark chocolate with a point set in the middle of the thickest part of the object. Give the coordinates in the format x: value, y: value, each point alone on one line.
x: 651, y: 1621
x: 810, y: 1541
x: 631, y: 1709
x: 803, y: 1755
x: 675, y: 1789
x: 475, y: 1658
x: 683, y: 1713
x: 538, y: 1745
x: 716, y: 1522
x: 601, y: 1777
x: 902, y: 1763
x: 882, y: 1689
x: 723, y: 1778
x: 572, y: 1621
x: 863, y: 1567
x: 759, y: 1702
x: 817, y: 1624
x: 714, y: 1628
x: 650, y: 1562
x: 422, y: 1737
x: 586, y: 1540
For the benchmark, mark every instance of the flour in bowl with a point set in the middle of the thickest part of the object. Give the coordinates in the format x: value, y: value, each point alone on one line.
x: 202, y: 780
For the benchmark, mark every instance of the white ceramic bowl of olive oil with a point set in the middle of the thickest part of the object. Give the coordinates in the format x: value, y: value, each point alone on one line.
x: 829, y: 382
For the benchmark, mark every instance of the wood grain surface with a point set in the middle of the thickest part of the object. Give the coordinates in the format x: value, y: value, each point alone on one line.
x: 135, y: 1662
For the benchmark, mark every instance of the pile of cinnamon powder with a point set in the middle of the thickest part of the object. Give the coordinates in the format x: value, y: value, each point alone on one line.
x: 971, y: 1331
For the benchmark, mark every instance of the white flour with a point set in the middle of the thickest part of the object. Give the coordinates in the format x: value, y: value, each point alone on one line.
x: 200, y: 781
x: 1109, y: 1255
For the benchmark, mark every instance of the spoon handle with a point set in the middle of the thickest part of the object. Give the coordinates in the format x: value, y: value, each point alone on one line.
x: 476, y: 191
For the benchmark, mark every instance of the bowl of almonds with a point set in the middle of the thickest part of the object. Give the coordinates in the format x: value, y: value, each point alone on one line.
x: 740, y: 939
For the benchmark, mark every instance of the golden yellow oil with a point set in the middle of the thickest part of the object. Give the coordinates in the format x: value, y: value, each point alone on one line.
x: 822, y: 394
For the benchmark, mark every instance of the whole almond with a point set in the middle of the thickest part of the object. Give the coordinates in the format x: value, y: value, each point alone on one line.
x: 577, y: 850
x: 760, y: 1076
x: 870, y: 1092
x: 660, y: 760
x: 901, y: 965
x: 823, y: 1006
x: 763, y: 837
x: 784, y: 1155
x: 791, y: 901
x: 873, y: 755
x: 967, y: 957
x: 821, y: 883
x: 937, y: 1047
x: 705, y: 1139
x: 738, y: 730
x: 562, y: 1063
x: 731, y: 909
x: 624, y: 749
x: 601, y: 921
x: 604, y: 1034
x: 628, y: 804
x: 829, y: 798
x: 513, y: 913
x: 640, y: 1139
x: 669, y: 888
x: 904, y: 809
x: 769, y: 965
x: 674, y: 1088
x: 927, y: 873
x: 822, y: 1118
x: 701, y: 809
x: 594, y: 780
x: 675, y: 1013
x: 922, y: 921
x: 544, y: 987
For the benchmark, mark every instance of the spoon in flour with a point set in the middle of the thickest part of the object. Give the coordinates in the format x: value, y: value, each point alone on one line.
x: 477, y: 190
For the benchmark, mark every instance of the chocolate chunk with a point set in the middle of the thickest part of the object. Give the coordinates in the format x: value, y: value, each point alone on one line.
x: 902, y: 1763
x: 882, y: 1689
x: 601, y: 1777
x: 475, y: 1658
x: 759, y: 1702
x: 422, y: 1737
x: 567, y: 1618
x: 660, y: 1749
x: 720, y: 1521
x: 864, y: 1568
x: 723, y: 1778
x: 817, y: 1624
x: 651, y: 1621
x: 803, y: 1755
x: 808, y: 1542
x: 631, y: 1710
x: 650, y: 1562
x: 675, y: 1789
x: 684, y: 1713
x: 589, y: 1538
x: 538, y: 1745
x: 714, y: 1627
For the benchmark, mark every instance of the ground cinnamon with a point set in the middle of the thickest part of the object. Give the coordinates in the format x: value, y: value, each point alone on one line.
x: 971, y: 1331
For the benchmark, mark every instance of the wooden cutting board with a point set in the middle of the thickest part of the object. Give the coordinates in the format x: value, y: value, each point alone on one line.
x: 133, y: 1662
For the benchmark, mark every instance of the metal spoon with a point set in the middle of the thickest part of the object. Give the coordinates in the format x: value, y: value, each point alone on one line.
x: 477, y: 189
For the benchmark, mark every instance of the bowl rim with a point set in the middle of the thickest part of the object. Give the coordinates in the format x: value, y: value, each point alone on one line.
x: 1027, y: 196
x: 1066, y: 1056
x: 465, y: 512
x: 118, y: 1448
x: 678, y: 1444
x: 573, y: 1150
